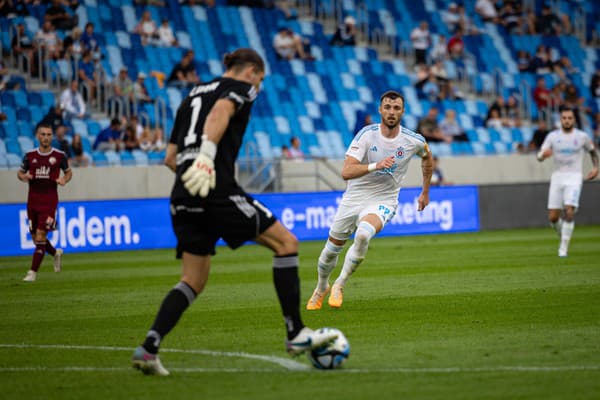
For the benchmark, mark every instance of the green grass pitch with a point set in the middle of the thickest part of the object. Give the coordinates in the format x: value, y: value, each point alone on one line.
x: 491, y: 315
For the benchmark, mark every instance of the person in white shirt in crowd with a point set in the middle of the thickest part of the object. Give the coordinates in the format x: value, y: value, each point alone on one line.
x: 72, y: 102
x: 450, y: 127
x: 146, y: 28
x: 166, y: 37
x: 421, y: 41
x: 567, y: 145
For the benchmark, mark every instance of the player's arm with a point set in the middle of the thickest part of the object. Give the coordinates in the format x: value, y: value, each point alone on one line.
x: 427, y: 170
x: 200, y: 177
x: 594, y: 172
x: 545, y: 150
x: 67, y: 175
x: 171, y: 157
x: 354, y: 169
x: 23, y: 172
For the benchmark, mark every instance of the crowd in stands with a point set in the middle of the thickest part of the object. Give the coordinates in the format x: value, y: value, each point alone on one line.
x: 61, y: 39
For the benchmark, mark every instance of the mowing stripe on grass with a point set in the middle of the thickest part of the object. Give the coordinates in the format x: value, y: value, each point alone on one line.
x: 287, y: 364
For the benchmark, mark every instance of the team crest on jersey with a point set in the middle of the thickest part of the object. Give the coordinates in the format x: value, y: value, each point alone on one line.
x: 400, y: 152
x: 52, y: 160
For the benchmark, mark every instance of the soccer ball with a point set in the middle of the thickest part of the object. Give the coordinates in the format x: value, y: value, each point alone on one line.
x: 331, y: 355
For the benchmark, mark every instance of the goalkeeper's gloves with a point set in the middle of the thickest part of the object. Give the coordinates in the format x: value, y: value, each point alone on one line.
x: 200, y: 177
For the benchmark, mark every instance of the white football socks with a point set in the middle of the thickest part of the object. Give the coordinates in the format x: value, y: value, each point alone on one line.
x: 566, y: 233
x: 327, y: 262
x: 356, y: 253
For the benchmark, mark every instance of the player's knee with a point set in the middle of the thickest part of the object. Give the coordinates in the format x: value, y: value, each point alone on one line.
x: 363, y: 235
x: 289, y: 244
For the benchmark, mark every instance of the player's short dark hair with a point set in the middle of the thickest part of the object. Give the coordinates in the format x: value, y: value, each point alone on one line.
x: 392, y: 95
x: 242, y: 57
x: 565, y: 108
x: 43, y: 125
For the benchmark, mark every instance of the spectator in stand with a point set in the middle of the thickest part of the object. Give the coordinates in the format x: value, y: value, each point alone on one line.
x: 541, y: 63
x: 295, y: 152
x: 7, y: 81
x: 429, y: 128
x: 510, y: 18
x: 208, y: 3
x: 494, y: 120
x: 166, y: 37
x: 48, y: 41
x: 90, y: 40
x: 439, y: 52
x: 78, y: 158
x: 60, y: 140
x: 451, y: 17
x: 184, y: 73
x: 151, y: 139
x: 59, y: 17
x: 487, y: 11
x: 548, y: 23
x: 456, y: 45
x: 130, y: 140
x: 595, y: 84
x: 54, y: 117
x: 524, y: 61
x: 110, y: 137
x: 140, y: 91
x: 73, y: 45
x: 538, y: 137
x: 23, y: 48
x: 123, y: 86
x: 345, y: 34
x: 289, y: 45
x: 421, y: 41
x: 465, y: 22
x: 513, y: 115
x: 542, y: 96
x: 431, y: 89
x: 146, y: 28
x: 72, y: 101
x: 88, y: 76
x: 451, y: 129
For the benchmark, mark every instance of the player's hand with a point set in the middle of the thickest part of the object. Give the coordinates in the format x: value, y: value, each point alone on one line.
x: 592, y: 174
x: 61, y: 181
x: 542, y: 155
x: 27, y: 176
x: 200, y: 177
x: 422, y: 201
x: 385, y: 163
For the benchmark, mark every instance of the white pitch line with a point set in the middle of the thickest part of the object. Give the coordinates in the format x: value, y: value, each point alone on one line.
x: 286, y: 363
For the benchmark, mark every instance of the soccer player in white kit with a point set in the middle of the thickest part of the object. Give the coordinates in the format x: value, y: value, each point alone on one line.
x: 375, y: 165
x: 567, y: 145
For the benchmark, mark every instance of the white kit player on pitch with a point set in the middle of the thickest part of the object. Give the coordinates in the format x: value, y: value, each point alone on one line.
x: 375, y: 165
x: 567, y: 145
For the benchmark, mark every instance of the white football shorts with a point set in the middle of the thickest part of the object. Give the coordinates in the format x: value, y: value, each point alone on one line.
x: 348, y: 216
x: 565, y: 189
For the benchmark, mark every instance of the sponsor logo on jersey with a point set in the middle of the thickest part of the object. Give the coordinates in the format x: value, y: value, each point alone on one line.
x: 374, y: 148
x: 34, y: 161
x: 42, y: 172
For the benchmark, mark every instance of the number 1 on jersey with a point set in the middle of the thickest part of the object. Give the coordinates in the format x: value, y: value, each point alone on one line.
x: 191, y: 136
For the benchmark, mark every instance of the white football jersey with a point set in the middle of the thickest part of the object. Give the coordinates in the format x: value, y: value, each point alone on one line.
x: 568, y: 149
x: 370, y: 146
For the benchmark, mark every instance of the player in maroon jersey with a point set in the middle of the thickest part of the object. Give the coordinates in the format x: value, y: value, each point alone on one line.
x: 41, y: 169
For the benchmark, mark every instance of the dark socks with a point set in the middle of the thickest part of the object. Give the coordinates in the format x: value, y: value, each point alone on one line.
x: 171, y: 309
x: 38, y: 255
x: 287, y: 285
x: 50, y: 249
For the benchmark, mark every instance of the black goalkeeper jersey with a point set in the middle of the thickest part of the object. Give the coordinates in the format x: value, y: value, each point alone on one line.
x: 187, y: 133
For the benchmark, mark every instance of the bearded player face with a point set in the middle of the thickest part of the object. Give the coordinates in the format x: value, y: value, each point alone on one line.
x: 391, y: 111
x: 567, y: 120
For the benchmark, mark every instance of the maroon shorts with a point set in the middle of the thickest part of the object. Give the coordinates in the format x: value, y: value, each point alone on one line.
x: 43, y: 219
